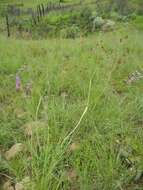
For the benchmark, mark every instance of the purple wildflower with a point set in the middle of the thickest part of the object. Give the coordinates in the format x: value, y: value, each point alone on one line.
x: 18, y: 83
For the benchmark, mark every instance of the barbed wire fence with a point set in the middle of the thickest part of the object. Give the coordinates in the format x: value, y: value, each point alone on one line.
x: 36, y: 14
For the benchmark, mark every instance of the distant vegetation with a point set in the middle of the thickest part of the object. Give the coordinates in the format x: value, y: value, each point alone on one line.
x: 69, y: 22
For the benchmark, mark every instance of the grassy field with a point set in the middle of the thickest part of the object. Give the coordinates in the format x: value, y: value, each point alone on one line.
x: 83, y: 101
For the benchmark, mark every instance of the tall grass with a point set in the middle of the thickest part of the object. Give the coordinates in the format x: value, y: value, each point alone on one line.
x: 79, y: 91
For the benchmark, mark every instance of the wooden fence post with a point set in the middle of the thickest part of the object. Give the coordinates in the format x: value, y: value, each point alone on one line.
x: 38, y: 14
x: 43, y: 9
x: 40, y: 11
x: 7, y: 25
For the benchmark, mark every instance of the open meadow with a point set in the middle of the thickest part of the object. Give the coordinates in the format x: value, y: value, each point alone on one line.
x: 72, y: 111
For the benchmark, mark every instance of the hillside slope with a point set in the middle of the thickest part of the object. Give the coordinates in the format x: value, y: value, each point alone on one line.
x: 78, y: 111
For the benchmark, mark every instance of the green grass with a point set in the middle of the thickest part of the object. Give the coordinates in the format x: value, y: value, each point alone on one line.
x: 105, y: 111
x: 138, y: 22
x: 33, y: 3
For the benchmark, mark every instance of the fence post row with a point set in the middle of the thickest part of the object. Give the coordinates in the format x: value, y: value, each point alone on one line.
x: 41, y: 10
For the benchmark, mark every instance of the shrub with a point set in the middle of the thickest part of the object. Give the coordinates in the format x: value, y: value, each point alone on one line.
x: 70, y: 32
x: 85, y: 20
x: 97, y: 23
x: 69, y: 24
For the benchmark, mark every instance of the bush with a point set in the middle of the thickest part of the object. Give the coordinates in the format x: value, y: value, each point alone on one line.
x: 85, y: 20
x: 69, y: 24
x: 70, y: 32
x: 97, y: 23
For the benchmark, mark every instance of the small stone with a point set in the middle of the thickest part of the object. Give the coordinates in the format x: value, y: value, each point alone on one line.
x: 8, y: 186
x: 14, y: 151
x: 64, y: 94
x: 19, y: 186
x: 73, y: 147
x: 24, y: 184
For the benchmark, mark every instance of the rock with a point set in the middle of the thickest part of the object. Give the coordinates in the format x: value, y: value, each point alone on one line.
x: 73, y: 147
x: 8, y: 186
x: 32, y: 127
x: 19, y: 186
x: 24, y: 184
x: 14, y: 151
x: 64, y: 95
